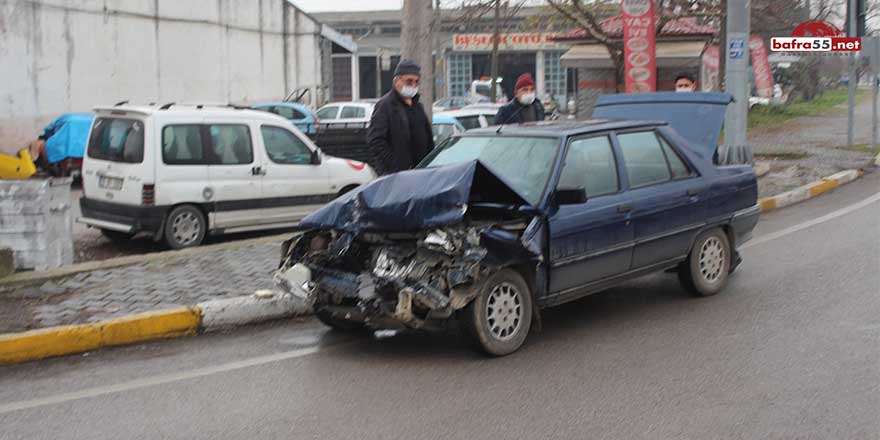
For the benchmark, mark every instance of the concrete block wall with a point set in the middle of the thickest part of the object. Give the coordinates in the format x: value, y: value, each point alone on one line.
x: 36, y: 222
x: 71, y: 55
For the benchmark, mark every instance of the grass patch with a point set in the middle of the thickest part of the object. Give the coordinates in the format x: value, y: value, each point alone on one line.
x: 764, y: 115
x: 862, y: 148
x: 796, y: 155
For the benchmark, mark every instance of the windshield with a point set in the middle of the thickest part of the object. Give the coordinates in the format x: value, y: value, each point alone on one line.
x: 117, y: 140
x: 524, y: 163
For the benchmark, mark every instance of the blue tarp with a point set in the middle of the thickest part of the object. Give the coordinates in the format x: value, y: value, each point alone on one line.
x: 414, y: 200
x: 697, y: 116
x: 67, y: 136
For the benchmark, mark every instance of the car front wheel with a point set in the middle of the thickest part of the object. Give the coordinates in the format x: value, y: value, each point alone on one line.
x: 185, y: 227
x: 499, y: 318
x: 707, y: 268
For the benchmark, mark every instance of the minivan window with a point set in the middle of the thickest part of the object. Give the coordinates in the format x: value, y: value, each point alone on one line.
x: 183, y: 145
x: 352, y: 112
x: 117, y: 140
x: 644, y: 158
x: 231, y: 145
x: 328, y: 112
x: 469, y: 122
x: 284, y: 147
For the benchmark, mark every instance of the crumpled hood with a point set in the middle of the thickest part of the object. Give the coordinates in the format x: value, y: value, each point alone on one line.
x: 414, y: 200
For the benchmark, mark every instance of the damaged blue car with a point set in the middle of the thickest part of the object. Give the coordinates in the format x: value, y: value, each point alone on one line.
x: 498, y: 223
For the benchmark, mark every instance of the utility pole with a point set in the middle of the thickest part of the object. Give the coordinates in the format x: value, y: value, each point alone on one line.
x: 496, y: 35
x: 736, y: 148
x: 852, y: 13
x: 416, y: 44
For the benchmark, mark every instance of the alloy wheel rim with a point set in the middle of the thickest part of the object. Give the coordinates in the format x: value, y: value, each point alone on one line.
x: 504, y: 311
x: 712, y: 259
x: 186, y: 228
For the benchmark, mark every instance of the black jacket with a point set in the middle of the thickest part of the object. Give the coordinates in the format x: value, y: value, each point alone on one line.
x: 511, y: 113
x: 389, y: 138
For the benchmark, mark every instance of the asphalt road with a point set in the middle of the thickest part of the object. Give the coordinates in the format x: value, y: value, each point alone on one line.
x: 790, y: 350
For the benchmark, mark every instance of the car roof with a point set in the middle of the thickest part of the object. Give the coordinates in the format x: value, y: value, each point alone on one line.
x: 188, y: 110
x: 563, y: 128
x: 350, y: 103
x: 468, y: 112
x: 444, y: 119
x: 280, y: 103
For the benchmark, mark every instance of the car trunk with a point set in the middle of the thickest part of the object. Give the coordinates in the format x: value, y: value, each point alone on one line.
x: 116, y: 168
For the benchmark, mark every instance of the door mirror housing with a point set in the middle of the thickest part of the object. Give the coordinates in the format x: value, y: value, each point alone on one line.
x: 316, y: 157
x: 570, y: 196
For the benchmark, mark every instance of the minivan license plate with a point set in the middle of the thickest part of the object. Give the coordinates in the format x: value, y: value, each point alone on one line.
x: 109, y: 183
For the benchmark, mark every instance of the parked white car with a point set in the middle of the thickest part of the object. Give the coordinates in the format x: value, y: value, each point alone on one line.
x: 476, y: 116
x: 181, y: 172
x: 345, y: 115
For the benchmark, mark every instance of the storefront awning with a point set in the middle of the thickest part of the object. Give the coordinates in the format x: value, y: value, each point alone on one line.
x: 670, y: 54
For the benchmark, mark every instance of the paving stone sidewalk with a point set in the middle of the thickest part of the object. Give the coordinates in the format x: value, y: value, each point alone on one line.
x: 178, y: 281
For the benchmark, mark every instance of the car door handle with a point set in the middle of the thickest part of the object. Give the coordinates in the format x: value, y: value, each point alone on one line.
x: 258, y: 171
x: 623, y: 209
x: 694, y: 191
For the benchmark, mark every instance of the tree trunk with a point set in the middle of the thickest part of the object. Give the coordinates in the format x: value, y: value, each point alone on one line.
x: 722, y: 48
x: 415, y: 43
x: 496, y: 35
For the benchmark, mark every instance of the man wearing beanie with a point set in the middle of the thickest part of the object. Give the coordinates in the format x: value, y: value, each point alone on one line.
x: 524, y: 107
x: 400, y: 133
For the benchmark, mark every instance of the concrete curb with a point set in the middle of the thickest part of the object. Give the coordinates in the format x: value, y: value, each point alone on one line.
x: 69, y: 339
x: 162, y: 324
x: 26, y: 279
x: 808, y: 191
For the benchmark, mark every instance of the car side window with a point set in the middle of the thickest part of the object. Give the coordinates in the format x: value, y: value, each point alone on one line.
x: 349, y: 112
x: 678, y: 167
x: 183, y: 145
x: 284, y: 147
x: 328, y: 112
x: 469, y: 122
x: 590, y: 165
x: 644, y: 159
x: 231, y: 144
x: 284, y: 112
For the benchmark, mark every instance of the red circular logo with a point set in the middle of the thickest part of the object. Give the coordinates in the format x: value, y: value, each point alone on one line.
x: 816, y: 28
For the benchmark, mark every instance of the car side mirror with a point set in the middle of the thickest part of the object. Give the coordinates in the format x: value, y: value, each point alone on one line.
x: 571, y: 196
x: 316, y: 157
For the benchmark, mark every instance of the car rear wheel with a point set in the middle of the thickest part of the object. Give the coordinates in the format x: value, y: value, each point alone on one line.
x: 185, y: 227
x: 499, y: 318
x: 707, y: 268
x: 116, y: 236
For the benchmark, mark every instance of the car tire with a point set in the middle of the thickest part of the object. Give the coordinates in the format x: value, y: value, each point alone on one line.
x: 116, y: 236
x: 499, y: 318
x: 341, y: 325
x: 185, y: 226
x: 707, y: 268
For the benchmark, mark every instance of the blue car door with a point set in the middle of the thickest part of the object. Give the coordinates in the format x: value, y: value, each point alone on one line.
x: 590, y: 241
x: 668, y: 198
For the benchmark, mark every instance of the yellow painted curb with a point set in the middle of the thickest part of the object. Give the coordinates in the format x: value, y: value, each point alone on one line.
x: 767, y: 204
x: 821, y: 187
x: 57, y: 341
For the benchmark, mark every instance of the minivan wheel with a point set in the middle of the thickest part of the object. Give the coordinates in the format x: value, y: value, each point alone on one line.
x: 116, y: 236
x: 185, y: 226
x: 499, y: 318
x: 707, y: 268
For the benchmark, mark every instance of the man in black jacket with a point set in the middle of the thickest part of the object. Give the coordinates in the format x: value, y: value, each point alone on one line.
x: 524, y: 107
x: 400, y: 133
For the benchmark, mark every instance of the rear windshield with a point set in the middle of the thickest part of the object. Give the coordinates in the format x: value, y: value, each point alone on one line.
x: 117, y: 140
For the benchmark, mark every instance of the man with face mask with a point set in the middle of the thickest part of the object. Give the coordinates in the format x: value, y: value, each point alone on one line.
x: 524, y: 107
x: 400, y: 136
x: 685, y: 82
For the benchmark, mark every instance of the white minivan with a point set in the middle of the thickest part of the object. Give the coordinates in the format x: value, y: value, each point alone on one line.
x: 180, y: 172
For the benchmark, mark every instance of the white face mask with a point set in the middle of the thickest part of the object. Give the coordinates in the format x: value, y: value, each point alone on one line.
x: 526, y: 98
x: 409, y: 91
x: 683, y: 89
